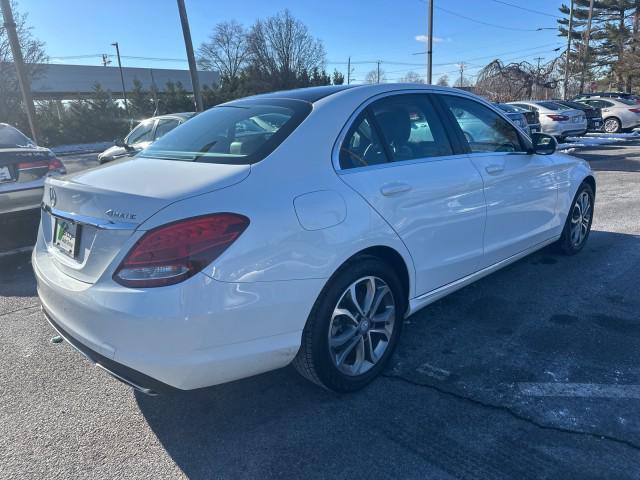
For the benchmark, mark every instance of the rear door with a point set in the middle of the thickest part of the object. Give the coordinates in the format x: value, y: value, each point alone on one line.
x: 399, y: 157
x: 519, y: 187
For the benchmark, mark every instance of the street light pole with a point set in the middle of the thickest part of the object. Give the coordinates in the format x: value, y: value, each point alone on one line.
x: 18, y: 61
x: 430, y: 44
x: 186, y: 32
x: 124, y: 90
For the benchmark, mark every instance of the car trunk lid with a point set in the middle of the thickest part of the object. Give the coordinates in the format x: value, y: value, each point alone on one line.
x: 88, y: 217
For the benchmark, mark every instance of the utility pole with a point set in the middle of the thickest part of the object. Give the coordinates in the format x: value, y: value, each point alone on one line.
x: 124, y: 89
x: 586, y: 47
x: 430, y: 44
x: 461, y: 74
x: 186, y: 32
x: 18, y: 61
x: 378, y: 77
x: 538, y: 69
x: 349, y: 71
x: 567, y: 54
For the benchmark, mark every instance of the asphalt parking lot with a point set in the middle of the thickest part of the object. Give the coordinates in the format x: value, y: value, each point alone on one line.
x: 531, y: 373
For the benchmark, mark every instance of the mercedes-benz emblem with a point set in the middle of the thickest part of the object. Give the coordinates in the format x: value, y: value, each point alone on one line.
x: 52, y: 197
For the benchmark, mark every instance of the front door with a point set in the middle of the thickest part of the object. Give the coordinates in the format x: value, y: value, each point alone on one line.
x: 520, y: 187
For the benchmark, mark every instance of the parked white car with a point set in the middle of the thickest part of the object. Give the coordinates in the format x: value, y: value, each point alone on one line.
x: 618, y: 113
x: 555, y: 119
x: 222, y: 251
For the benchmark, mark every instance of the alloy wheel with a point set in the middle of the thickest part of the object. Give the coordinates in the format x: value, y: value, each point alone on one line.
x: 580, y: 219
x: 361, y: 325
x: 611, y: 125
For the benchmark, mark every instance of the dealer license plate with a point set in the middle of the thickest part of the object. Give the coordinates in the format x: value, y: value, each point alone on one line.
x: 66, y: 237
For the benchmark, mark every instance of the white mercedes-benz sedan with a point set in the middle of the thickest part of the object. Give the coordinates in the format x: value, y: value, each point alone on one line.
x: 296, y: 227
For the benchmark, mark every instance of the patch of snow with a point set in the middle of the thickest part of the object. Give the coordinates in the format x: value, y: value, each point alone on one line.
x: 81, y: 148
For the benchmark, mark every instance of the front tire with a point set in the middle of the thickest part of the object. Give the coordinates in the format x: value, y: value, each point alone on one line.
x: 353, y: 327
x: 578, y: 224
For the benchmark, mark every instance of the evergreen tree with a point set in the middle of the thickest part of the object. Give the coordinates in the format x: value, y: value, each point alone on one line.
x: 337, y: 78
x: 140, y: 103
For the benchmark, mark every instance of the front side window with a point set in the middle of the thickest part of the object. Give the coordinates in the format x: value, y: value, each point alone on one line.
x: 484, y: 129
x: 410, y: 128
x: 142, y: 133
x: 165, y: 125
x: 241, y: 132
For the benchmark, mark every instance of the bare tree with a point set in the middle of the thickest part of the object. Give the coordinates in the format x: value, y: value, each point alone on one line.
x: 443, y: 81
x: 412, y: 77
x: 282, y: 51
x: 227, y: 50
x: 376, y: 76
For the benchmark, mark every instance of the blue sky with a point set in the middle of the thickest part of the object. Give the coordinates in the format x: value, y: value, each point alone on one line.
x: 366, y: 30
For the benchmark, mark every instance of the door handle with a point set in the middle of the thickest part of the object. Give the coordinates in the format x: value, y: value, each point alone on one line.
x: 394, y: 189
x: 493, y: 169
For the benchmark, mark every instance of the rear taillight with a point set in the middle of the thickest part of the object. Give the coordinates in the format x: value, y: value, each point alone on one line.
x: 172, y: 253
x: 634, y: 110
x: 557, y: 118
x: 33, y: 164
x: 55, y: 165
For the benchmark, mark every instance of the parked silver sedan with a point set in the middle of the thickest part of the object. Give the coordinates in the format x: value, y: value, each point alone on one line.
x: 143, y: 135
x: 23, y: 168
x: 556, y: 119
x: 618, y: 113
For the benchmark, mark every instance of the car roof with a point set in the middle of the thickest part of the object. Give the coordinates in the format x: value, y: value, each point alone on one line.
x: 308, y: 94
x: 180, y: 115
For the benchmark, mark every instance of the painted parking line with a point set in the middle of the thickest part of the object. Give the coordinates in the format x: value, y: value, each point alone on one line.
x: 580, y: 390
x: 433, y: 372
x: 15, y: 251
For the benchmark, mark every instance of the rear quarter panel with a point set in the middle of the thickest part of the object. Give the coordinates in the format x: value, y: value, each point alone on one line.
x: 276, y: 246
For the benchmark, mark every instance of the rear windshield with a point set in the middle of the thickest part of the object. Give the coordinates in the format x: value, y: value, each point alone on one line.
x: 626, y: 101
x: 11, y: 138
x: 508, y: 108
x: 552, y: 105
x: 241, y: 132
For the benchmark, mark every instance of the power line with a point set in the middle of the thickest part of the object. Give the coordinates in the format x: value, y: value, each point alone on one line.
x: 493, y: 24
x: 526, y: 9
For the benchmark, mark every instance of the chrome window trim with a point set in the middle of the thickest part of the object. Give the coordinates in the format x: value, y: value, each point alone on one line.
x: 335, y: 153
x: 99, y: 223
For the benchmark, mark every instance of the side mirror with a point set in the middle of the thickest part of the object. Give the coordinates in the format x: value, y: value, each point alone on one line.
x: 543, y: 144
x: 119, y: 142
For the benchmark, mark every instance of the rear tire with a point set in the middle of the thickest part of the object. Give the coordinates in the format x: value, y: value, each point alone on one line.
x: 345, y: 345
x: 612, y: 125
x: 578, y: 224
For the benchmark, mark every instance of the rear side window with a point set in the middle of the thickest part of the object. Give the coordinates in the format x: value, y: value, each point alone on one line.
x: 484, y: 129
x: 362, y: 145
x: 242, y: 132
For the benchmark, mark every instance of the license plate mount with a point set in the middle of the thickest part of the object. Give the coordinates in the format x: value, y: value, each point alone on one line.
x: 66, y: 237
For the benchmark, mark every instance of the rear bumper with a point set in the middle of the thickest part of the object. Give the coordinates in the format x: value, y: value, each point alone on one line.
x: 20, y: 199
x: 195, y: 334
x: 594, y: 124
x: 138, y: 381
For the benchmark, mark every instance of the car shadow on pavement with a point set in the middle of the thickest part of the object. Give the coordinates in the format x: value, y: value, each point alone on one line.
x: 16, y: 276
x: 452, y: 402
